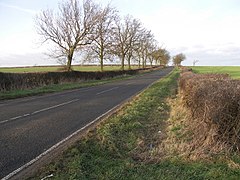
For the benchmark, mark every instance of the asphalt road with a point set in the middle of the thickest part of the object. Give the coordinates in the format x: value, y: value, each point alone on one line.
x: 30, y: 126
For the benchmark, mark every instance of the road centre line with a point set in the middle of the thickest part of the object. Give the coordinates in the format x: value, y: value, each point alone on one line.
x: 4, y: 121
x: 46, y: 152
x: 52, y: 107
x: 42, y: 110
x: 129, y: 83
x: 107, y: 90
x: 57, y: 145
x: 61, y: 94
x: 14, y: 118
x: 26, y: 115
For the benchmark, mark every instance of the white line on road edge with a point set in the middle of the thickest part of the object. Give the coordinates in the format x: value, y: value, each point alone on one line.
x: 69, y: 137
x: 55, y: 146
x: 35, y: 112
x: 107, y: 90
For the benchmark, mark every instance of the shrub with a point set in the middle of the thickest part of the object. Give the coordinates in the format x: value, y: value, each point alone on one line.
x: 18, y: 81
x: 213, y: 101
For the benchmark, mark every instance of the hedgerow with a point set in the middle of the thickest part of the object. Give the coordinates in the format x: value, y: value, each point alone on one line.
x: 213, y: 104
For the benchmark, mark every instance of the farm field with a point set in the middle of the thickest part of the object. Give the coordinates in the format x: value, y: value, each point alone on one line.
x: 59, y: 68
x: 233, y: 71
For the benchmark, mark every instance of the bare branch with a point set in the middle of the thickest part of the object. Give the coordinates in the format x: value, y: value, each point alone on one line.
x: 69, y: 29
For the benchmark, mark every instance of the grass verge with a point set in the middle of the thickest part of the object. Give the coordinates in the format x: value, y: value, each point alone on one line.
x: 61, y: 87
x: 130, y: 145
x: 57, y: 88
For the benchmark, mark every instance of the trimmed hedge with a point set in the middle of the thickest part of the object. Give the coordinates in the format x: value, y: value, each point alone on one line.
x: 18, y: 81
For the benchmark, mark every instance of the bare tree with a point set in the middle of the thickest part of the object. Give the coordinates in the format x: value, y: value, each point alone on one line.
x: 124, y: 38
x: 194, y: 62
x: 165, y: 59
x: 135, y: 28
x: 161, y: 56
x: 100, y: 46
x: 177, y: 60
x: 70, y: 29
x: 151, y: 51
x: 120, y: 41
x: 144, y: 46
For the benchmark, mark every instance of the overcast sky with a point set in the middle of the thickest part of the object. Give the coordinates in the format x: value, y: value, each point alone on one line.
x: 204, y: 30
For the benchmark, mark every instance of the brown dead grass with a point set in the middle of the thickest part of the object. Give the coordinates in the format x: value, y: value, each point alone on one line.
x: 205, y: 117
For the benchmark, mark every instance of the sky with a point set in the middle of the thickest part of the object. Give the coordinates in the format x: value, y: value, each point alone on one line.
x: 204, y: 30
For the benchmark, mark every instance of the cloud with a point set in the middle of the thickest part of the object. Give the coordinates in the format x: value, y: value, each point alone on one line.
x: 204, y: 30
x: 30, y: 11
x: 28, y: 59
x: 204, y: 34
x: 224, y: 54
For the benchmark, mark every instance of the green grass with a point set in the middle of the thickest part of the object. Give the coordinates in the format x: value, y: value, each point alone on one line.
x: 57, y: 88
x: 57, y: 68
x: 29, y: 69
x: 233, y: 71
x: 61, y: 87
x: 127, y: 146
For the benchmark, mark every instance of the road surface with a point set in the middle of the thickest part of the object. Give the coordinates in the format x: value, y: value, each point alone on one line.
x: 30, y: 126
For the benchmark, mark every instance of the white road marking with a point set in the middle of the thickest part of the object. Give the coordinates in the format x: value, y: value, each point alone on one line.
x: 55, y: 146
x: 9, y: 102
x: 107, y: 90
x: 42, y: 110
x: 52, y: 107
x: 14, y: 118
x: 51, y: 175
x: 64, y: 140
x: 129, y: 83
x: 4, y: 121
x: 26, y: 115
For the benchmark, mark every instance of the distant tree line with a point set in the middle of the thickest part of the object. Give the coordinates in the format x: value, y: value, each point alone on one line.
x: 98, y: 32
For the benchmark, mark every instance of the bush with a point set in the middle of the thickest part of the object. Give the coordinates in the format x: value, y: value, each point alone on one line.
x: 18, y: 81
x: 214, y: 104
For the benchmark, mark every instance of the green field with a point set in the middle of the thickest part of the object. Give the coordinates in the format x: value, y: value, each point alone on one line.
x: 59, y: 68
x: 233, y: 71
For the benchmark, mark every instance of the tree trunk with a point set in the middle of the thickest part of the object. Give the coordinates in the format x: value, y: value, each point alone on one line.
x: 69, y: 63
x: 122, y: 63
x: 101, y: 64
x: 101, y: 60
x: 129, y: 62
x: 143, y: 61
x: 69, y: 59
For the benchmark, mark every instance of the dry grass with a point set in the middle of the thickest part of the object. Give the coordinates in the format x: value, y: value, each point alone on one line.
x: 205, y: 118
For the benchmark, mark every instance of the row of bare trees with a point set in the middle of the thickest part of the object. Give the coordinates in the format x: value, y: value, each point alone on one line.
x: 99, y: 33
